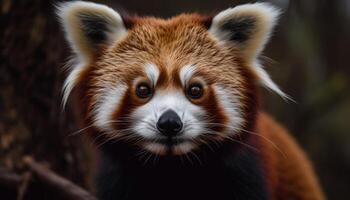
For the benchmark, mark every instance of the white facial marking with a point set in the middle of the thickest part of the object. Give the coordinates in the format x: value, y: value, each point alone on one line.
x: 107, y: 103
x: 232, y: 108
x: 186, y: 73
x: 155, y: 147
x: 183, y: 148
x: 193, y: 117
x: 146, y: 116
x: 152, y: 73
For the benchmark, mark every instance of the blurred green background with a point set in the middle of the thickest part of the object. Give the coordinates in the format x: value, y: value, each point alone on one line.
x: 308, y: 57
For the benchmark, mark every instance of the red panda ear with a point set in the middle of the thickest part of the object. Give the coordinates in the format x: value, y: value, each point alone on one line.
x: 89, y: 26
x: 248, y: 26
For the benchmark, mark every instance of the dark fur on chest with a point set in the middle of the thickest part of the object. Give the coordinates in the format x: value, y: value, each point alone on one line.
x: 229, y: 173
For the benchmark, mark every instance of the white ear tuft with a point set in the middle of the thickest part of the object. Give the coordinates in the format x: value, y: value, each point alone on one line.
x: 268, y: 83
x: 89, y: 26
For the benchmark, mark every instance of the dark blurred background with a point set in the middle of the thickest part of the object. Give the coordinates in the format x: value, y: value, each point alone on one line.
x: 308, y: 56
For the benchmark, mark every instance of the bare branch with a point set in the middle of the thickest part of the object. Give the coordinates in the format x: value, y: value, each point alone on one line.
x: 60, y: 184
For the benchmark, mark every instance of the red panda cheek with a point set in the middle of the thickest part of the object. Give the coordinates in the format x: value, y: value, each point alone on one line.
x: 126, y: 106
x: 210, y: 103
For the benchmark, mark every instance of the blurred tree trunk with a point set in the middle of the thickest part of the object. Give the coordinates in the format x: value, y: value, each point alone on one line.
x: 32, y: 121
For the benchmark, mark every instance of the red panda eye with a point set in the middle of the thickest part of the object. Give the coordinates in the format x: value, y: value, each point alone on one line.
x: 143, y: 91
x: 195, y: 91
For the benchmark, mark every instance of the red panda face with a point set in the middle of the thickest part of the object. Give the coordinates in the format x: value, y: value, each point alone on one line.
x: 169, y: 93
x: 168, y: 86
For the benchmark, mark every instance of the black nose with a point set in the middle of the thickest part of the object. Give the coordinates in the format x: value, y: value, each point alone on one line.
x: 169, y: 123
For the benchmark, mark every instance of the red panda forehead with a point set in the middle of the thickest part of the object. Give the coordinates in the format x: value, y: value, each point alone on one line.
x: 169, y: 45
x: 177, y: 35
x: 182, y: 19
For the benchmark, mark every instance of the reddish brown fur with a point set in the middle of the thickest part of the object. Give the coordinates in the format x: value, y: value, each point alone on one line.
x: 173, y: 43
x: 290, y: 173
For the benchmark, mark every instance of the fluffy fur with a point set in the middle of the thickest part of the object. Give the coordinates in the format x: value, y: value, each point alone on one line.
x: 225, y: 148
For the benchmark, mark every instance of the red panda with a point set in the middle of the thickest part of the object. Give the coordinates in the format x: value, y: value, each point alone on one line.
x: 174, y: 104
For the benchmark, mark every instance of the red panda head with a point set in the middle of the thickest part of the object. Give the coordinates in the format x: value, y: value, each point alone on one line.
x: 168, y: 85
